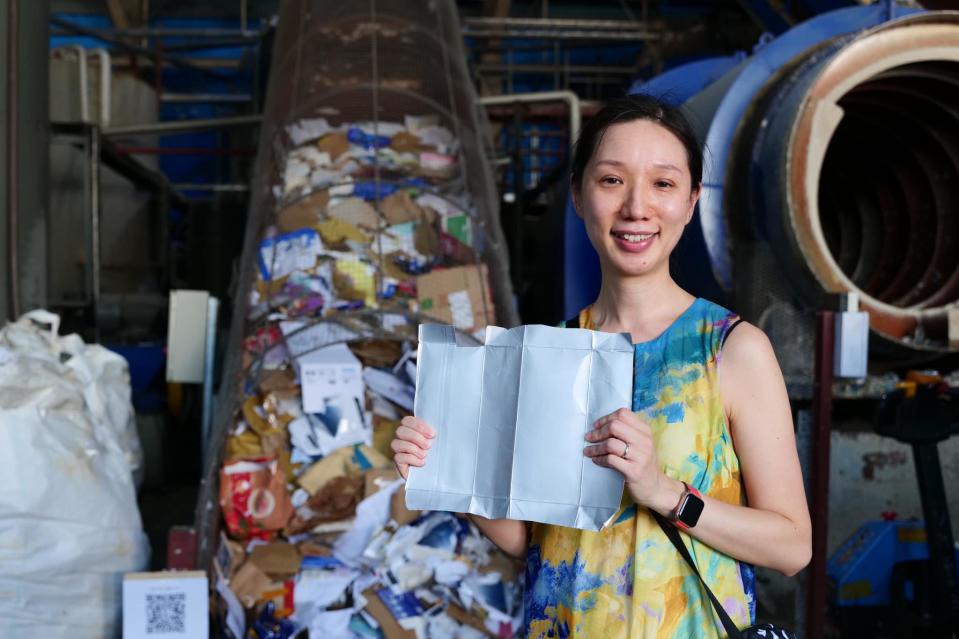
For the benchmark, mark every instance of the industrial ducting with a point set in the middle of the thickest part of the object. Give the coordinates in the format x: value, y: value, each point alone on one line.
x: 832, y: 166
x: 851, y: 166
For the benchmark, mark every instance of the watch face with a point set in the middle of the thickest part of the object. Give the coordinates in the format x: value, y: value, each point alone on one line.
x: 691, y: 509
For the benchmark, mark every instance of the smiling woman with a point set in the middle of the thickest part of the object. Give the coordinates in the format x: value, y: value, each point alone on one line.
x: 636, y: 199
x: 709, y: 422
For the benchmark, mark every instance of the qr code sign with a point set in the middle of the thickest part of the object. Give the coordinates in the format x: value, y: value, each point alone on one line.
x: 166, y: 613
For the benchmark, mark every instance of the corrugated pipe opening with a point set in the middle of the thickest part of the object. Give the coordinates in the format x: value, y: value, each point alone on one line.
x: 874, y: 177
x: 889, y: 186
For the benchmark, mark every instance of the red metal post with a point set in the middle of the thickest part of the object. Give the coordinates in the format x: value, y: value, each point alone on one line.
x: 819, y: 484
x: 181, y: 548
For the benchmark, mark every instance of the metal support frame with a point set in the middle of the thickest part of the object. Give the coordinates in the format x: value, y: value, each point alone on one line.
x: 154, y: 32
x: 562, y: 34
x: 93, y: 149
x: 212, y: 314
x: 819, y: 497
x: 206, y: 98
x: 570, y: 98
x: 109, y: 38
x: 182, y: 126
x: 186, y: 150
x: 942, y: 550
x: 555, y: 23
x: 591, y: 69
x: 518, y: 208
x: 214, y: 188
x: 100, y: 152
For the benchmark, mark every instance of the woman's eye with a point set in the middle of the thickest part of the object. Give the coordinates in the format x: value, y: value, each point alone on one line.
x: 609, y: 179
x: 663, y: 184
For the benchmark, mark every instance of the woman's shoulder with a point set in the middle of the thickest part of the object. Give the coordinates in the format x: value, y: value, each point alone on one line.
x: 713, y: 311
x: 712, y: 320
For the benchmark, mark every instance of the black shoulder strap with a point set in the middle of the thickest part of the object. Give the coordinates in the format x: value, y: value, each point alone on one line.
x: 573, y: 323
x: 677, y: 541
x: 730, y: 330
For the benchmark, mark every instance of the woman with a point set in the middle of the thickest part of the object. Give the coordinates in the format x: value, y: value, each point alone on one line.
x: 709, y: 409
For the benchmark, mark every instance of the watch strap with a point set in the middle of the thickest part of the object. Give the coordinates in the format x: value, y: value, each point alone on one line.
x: 683, y: 500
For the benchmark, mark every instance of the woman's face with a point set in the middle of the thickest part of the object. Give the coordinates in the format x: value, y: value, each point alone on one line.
x: 636, y: 197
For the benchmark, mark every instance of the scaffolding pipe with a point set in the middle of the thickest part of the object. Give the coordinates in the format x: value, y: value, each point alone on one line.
x: 119, y: 43
x: 184, y: 150
x: 182, y: 126
x: 106, y: 92
x: 556, y: 23
x: 570, y: 98
x: 557, y: 34
x: 185, y: 33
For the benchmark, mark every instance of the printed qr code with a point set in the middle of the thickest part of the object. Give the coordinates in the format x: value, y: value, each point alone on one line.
x: 166, y: 613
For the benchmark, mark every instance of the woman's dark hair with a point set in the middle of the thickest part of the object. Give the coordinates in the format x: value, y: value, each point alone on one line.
x: 627, y: 109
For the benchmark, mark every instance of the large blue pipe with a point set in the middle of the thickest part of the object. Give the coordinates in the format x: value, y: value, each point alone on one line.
x: 773, y: 188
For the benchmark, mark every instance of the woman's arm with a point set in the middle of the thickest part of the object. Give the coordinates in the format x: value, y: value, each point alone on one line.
x: 414, y: 438
x: 509, y: 535
x: 774, y: 530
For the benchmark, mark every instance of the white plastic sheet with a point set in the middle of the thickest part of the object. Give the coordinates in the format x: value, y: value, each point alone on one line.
x: 69, y: 523
x: 511, y: 416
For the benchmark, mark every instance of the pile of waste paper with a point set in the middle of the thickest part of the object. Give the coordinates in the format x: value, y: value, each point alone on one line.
x: 315, y: 537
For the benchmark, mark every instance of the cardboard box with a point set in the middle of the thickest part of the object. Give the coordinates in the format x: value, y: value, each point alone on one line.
x: 165, y: 605
x: 329, y: 372
x: 457, y: 296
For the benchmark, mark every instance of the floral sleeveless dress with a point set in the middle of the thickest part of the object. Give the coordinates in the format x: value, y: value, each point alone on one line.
x: 628, y: 580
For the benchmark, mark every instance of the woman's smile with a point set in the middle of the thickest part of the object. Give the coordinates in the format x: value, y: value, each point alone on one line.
x: 633, y: 242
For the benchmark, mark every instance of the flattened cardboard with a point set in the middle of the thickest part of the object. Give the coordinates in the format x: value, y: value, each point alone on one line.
x: 335, y: 144
x: 282, y: 380
x: 384, y: 431
x: 381, y: 353
x: 355, y: 211
x: 305, y: 213
x: 335, y: 231
x: 468, y: 286
x: 388, y: 624
x: 345, y: 461
x: 398, y: 510
x: 462, y: 616
x: 400, y: 208
x: 278, y: 559
x: 249, y: 583
x: 230, y: 555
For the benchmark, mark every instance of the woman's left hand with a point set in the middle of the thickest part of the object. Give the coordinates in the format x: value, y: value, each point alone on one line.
x: 624, y: 442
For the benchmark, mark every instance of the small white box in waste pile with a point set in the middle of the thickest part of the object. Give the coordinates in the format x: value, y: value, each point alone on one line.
x: 165, y: 605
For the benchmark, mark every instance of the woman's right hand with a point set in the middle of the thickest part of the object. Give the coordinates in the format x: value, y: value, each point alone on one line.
x: 413, y: 439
